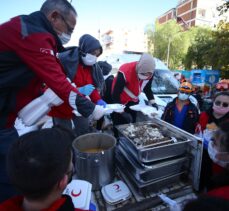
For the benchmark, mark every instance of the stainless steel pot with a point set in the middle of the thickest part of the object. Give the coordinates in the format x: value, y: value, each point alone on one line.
x: 95, y: 158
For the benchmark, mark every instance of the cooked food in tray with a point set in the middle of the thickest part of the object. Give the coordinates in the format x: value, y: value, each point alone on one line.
x: 146, y: 135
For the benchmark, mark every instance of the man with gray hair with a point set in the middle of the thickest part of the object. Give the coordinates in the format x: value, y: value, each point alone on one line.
x: 28, y: 48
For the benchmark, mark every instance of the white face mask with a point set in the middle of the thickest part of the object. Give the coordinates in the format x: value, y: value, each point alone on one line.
x: 89, y: 59
x: 64, y: 38
x: 143, y: 77
x: 183, y: 96
x: 212, y: 154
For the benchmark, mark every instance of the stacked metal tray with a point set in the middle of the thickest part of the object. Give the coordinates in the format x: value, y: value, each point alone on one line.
x: 152, y: 171
x: 152, y: 186
x: 174, y: 143
x: 157, y: 160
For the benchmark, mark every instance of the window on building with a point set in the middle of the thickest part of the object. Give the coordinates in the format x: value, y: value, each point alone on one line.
x: 202, y: 12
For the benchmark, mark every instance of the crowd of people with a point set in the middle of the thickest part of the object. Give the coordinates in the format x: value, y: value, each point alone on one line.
x: 34, y: 62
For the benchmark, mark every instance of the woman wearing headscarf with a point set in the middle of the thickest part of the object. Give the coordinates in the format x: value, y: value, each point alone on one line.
x: 131, y: 80
x: 81, y: 68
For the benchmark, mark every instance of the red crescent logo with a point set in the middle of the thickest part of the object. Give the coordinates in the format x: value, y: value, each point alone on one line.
x: 116, y: 186
x: 75, y: 194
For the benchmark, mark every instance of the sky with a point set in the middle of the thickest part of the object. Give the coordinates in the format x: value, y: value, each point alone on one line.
x: 98, y: 14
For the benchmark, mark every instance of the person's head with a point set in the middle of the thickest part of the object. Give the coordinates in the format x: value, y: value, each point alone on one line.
x: 90, y: 49
x: 199, y: 92
x: 105, y: 67
x: 218, y: 148
x: 39, y: 163
x: 62, y: 16
x: 182, y: 79
x: 221, y: 104
x: 185, y: 90
x: 145, y: 67
x: 222, y: 86
x: 207, y: 203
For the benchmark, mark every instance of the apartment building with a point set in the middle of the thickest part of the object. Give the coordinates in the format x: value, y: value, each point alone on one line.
x: 124, y: 39
x: 190, y: 13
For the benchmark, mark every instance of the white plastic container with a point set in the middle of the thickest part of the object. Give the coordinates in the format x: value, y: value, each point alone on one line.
x: 80, y: 192
x: 116, y: 192
x: 39, y: 107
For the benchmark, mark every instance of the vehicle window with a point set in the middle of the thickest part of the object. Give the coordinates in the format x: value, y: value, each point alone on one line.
x: 164, y: 82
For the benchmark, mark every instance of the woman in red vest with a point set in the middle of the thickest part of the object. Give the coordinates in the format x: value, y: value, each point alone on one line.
x: 131, y: 80
x: 81, y: 67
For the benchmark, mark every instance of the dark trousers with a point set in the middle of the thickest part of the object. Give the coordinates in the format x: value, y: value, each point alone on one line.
x: 206, y: 170
x: 7, y: 138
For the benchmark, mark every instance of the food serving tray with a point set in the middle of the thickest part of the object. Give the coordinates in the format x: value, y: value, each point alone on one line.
x: 174, y: 143
x: 152, y: 186
x: 147, y: 173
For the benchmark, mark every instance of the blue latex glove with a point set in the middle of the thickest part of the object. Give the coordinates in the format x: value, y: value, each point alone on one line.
x: 86, y: 90
x: 101, y: 103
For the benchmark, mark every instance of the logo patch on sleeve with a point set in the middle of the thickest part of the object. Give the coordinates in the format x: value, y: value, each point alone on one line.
x: 47, y: 51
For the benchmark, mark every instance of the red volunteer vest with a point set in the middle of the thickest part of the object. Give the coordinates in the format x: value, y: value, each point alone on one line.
x: 133, y: 84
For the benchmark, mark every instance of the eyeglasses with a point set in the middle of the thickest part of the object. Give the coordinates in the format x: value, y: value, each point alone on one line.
x: 69, y: 28
x: 223, y: 104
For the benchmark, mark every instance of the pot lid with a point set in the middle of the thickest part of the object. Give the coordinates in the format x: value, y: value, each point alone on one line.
x: 80, y: 192
x: 116, y: 192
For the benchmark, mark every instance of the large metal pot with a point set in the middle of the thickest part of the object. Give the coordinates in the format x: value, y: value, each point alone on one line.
x: 95, y: 158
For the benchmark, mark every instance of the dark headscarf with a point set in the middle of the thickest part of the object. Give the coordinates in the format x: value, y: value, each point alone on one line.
x: 87, y: 44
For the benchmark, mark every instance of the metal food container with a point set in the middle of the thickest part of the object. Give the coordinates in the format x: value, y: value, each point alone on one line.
x: 154, y: 171
x: 94, y: 158
x: 154, y: 185
x: 176, y: 142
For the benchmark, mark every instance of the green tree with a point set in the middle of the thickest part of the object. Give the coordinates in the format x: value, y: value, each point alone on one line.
x: 209, y: 49
x: 220, y: 51
x: 223, y: 8
x: 198, y: 51
x: 168, y: 43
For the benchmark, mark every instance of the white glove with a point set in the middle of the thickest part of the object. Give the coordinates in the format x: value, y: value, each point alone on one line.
x: 98, y: 112
x: 22, y: 128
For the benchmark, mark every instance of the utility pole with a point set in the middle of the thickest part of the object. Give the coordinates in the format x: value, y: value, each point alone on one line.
x: 186, y: 26
x: 168, y: 52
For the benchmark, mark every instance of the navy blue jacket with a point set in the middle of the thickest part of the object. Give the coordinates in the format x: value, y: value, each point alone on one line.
x: 190, y: 120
